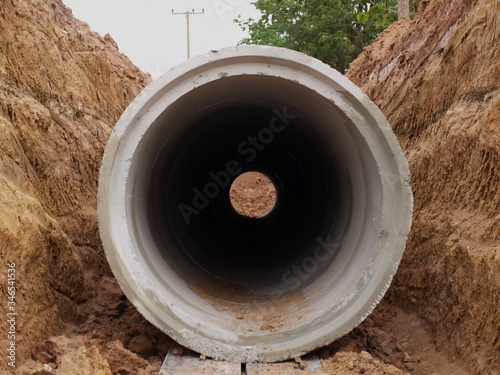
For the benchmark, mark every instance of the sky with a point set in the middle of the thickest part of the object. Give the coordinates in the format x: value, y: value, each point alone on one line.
x: 153, y: 38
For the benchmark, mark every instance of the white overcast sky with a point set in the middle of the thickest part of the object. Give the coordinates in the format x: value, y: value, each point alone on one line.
x: 153, y: 38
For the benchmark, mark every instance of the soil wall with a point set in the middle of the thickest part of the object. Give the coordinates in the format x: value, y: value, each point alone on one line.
x: 62, y: 88
x: 437, y: 79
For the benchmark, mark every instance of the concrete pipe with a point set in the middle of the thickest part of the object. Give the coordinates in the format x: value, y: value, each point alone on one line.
x: 254, y: 289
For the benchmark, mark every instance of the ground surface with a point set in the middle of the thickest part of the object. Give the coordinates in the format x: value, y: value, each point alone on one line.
x: 62, y: 88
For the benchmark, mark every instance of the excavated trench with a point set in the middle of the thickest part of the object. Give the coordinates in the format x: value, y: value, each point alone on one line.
x: 434, y: 77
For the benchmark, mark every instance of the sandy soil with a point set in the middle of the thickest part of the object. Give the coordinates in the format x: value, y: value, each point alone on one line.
x: 62, y: 88
x: 253, y: 195
x: 436, y: 78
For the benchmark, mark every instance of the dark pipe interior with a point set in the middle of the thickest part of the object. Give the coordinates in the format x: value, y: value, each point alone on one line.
x: 218, y: 242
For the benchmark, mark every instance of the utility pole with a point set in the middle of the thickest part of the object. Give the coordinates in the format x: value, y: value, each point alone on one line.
x: 403, y: 9
x: 188, y: 13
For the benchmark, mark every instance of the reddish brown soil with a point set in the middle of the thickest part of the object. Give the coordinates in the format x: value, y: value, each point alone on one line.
x: 437, y: 80
x: 63, y: 87
x: 253, y: 194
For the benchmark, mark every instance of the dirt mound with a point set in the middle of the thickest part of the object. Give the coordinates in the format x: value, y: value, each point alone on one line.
x: 62, y: 88
x: 350, y: 363
x: 437, y: 79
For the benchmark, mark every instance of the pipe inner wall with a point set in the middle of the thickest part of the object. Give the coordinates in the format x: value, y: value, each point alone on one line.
x: 254, y: 289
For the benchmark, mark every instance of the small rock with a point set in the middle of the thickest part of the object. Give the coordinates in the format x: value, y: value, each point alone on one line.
x: 177, y: 351
x: 43, y: 357
x: 163, y: 347
x: 122, y: 337
x: 110, y: 285
x: 393, y: 370
x: 408, y: 358
x: 155, y: 359
x: 368, y: 323
x: 44, y: 371
x: 410, y: 366
x: 366, y: 356
x: 387, y: 347
x: 300, y: 363
x: 45, y: 352
x: 83, y: 361
x: 122, y: 360
x: 115, y: 309
x: 141, y: 345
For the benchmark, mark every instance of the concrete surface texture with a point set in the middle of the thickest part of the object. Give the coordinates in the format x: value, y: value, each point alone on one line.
x: 254, y: 289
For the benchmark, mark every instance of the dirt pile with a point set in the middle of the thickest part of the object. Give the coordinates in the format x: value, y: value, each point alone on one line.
x: 350, y: 363
x: 62, y: 88
x: 437, y: 79
x: 111, y: 335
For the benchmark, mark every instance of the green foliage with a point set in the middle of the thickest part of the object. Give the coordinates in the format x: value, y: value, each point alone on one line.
x: 376, y: 14
x: 334, y: 31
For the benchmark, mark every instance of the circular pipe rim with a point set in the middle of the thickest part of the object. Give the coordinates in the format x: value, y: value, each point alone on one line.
x: 149, y: 105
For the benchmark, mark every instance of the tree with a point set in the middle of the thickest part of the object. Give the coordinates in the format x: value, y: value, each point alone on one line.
x: 334, y: 31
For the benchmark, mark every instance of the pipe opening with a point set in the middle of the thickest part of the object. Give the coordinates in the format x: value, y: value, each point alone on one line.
x: 215, y: 248
x: 235, y: 287
x: 253, y: 195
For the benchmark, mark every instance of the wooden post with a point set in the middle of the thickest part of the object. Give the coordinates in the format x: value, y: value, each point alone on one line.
x: 188, y: 13
x: 403, y: 9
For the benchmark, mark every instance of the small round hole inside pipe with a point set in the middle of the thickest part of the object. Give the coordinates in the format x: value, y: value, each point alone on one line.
x: 253, y: 195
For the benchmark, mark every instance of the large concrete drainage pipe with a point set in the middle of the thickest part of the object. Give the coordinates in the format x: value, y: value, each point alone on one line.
x: 254, y: 289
